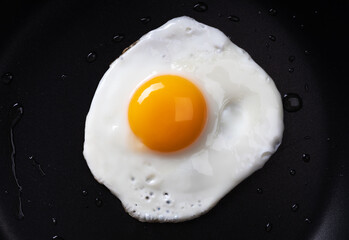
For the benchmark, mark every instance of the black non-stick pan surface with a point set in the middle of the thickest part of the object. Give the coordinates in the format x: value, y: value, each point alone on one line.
x: 52, y: 56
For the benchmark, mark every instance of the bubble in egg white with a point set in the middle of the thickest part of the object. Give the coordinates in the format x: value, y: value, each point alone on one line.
x: 244, y: 123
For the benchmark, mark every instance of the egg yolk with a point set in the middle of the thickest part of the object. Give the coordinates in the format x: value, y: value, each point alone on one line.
x: 167, y: 113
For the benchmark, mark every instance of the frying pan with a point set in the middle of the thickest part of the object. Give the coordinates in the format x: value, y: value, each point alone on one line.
x: 52, y: 56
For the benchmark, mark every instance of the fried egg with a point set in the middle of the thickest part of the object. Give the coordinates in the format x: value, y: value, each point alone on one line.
x: 178, y: 120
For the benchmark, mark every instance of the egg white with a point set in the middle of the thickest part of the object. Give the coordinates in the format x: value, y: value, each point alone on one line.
x: 244, y: 126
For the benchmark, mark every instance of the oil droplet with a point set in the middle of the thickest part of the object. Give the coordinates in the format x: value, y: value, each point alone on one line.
x: 98, y: 202
x: 291, y: 58
x: 292, y: 172
x: 145, y: 20
x: 259, y: 190
x: 57, y: 238
x: 20, y: 214
x: 294, y: 207
x: 54, y: 221
x: 290, y: 70
x: 306, y: 157
x: 84, y: 193
x: 307, y: 220
x: 268, y: 227
x: 272, y: 12
x: 37, y: 165
x: 118, y: 38
x: 307, y: 52
x: 64, y: 76
x: 234, y: 18
x: 200, y: 7
x: 91, y: 57
x: 292, y: 102
x: 272, y: 38
x: 6, y: 78
x: 15, y: 115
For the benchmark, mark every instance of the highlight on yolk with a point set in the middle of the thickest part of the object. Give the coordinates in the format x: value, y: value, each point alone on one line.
x: 167, y: 113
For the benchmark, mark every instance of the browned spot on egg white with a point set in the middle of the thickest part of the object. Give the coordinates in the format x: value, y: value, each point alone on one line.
x: 125, y: 50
